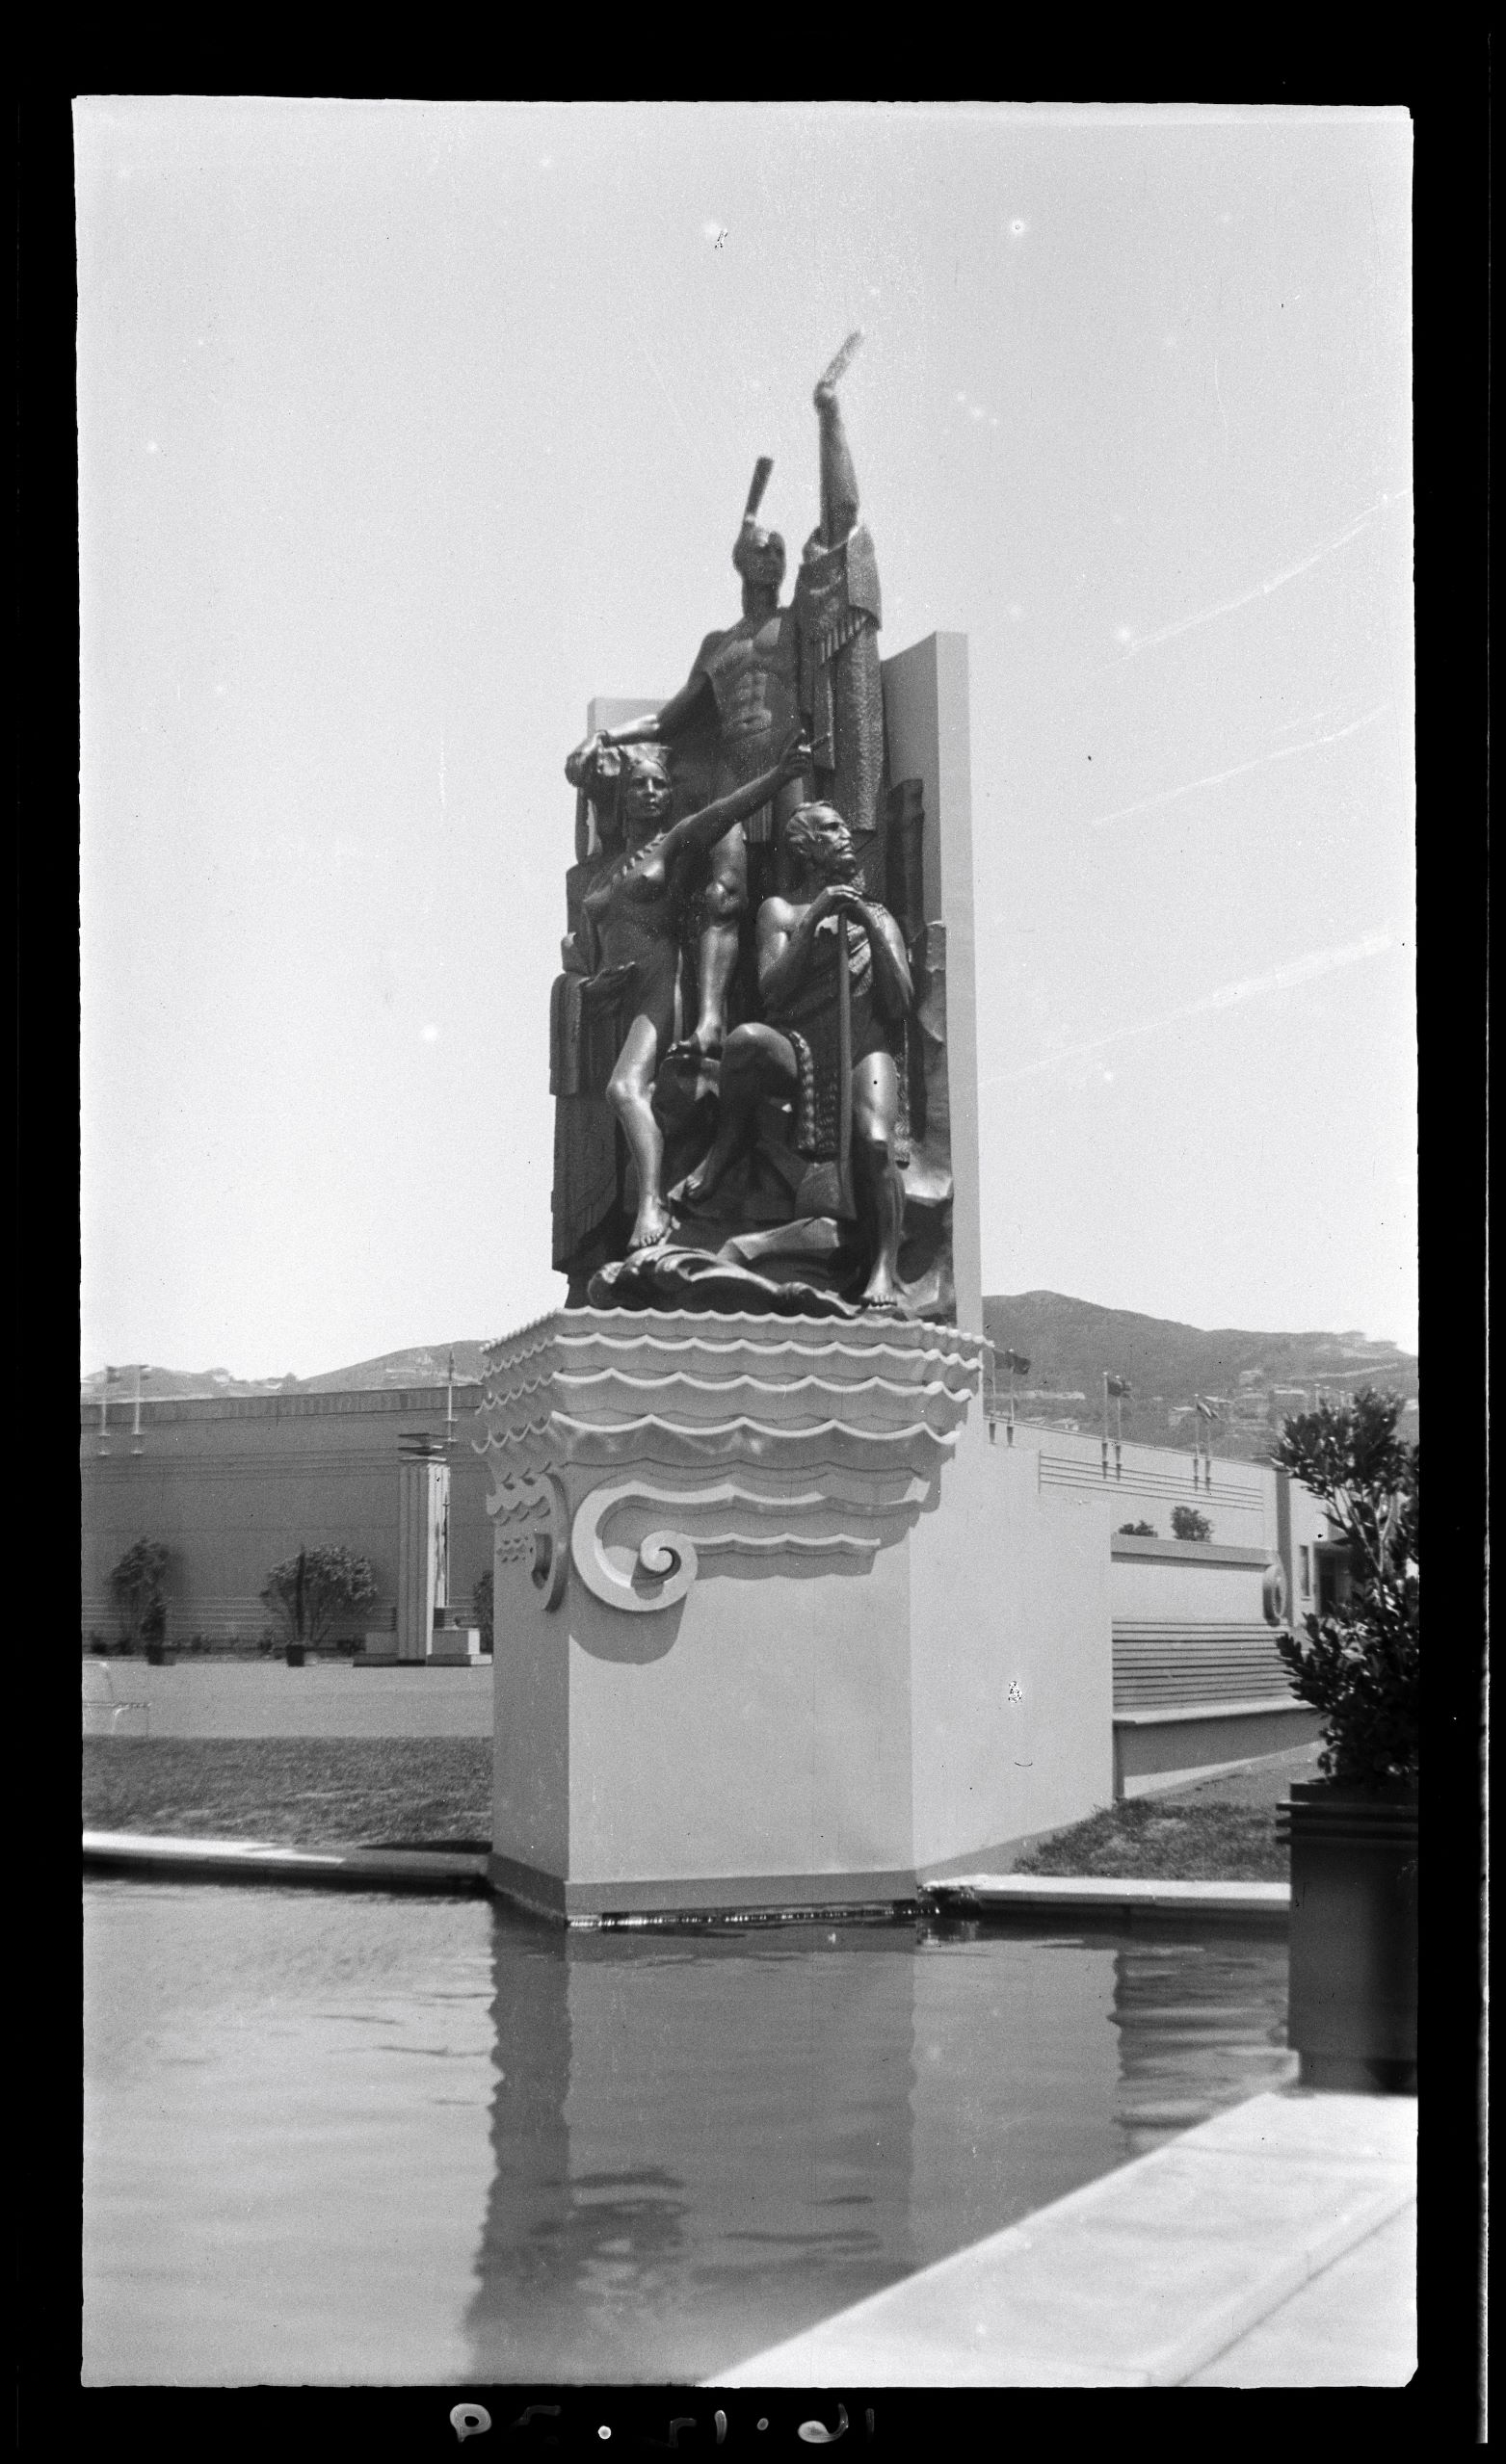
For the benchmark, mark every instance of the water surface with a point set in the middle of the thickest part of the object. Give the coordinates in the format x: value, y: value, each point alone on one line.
x: 366, y: 2140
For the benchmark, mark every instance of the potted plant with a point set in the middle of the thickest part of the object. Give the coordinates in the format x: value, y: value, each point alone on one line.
x: 136, y: 1589
x: 1353, y: 1833
x: 313, y: 1589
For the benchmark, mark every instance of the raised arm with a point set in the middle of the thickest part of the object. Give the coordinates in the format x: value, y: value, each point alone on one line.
x: 838, y: 479
x: 703, y: 830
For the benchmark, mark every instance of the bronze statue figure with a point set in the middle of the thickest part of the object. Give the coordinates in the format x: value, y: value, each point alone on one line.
x: 626, y: 946
x: 838, y: 615
x: 749, y: 685
x: 784, y: 1062
x: 835, y: 1011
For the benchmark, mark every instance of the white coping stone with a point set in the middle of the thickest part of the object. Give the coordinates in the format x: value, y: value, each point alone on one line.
x: 1354, y: 2325
x: 1140, y: 2278
x: 154, y: 1849
x: 1027, y: 1890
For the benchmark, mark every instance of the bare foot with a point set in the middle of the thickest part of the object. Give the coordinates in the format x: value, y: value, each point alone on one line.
x: 655, y: 1224
x: 695, y: 1186
x: 884, y: 1297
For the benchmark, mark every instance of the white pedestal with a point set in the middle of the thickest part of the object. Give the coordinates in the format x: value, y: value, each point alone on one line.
x: 774, y: 1625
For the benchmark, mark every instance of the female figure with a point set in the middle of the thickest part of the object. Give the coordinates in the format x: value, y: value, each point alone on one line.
x: 628, y: 922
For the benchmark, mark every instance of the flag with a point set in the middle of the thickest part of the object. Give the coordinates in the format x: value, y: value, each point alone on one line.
x: 1206, y: 1408
x: 1119, y: 1386
x: 1017, y: 1363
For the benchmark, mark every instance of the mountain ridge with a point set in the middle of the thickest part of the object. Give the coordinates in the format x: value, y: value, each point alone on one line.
x: 1256, y: 1376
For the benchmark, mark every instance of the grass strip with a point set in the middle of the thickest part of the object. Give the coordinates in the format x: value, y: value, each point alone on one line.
x: 301, y: 1791
x: 1152, y: 1839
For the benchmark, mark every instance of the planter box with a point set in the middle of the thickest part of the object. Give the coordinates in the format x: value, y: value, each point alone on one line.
x: 294, y: 1654
x: 1353, y: 2007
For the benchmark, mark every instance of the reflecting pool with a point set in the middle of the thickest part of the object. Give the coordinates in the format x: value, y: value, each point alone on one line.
x: 342, y: 2139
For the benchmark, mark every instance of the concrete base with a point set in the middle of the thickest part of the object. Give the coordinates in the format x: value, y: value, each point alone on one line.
x: 455, y: 1647
x: 816, y: 1894
x: 774, y: 1625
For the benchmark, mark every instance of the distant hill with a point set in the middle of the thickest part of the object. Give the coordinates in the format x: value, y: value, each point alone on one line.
x: 1259, y: 1378
x: 158, y: 1383
x: 420, y: 1366
x: 1068, y: 1344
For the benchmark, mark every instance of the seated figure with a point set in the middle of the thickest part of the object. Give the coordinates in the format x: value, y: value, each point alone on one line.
x: 814, y: 1030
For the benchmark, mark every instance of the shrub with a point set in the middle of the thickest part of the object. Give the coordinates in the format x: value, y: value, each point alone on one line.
x: 1358, y: 1662
x: 318, y: 1585
x: 1187, y: 1524
x: 1138, y: 1531
x: 135, y: 1589
x: 480, y: 1609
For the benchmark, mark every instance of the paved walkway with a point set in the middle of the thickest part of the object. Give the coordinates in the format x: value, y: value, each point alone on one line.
x: 1274, y: 2245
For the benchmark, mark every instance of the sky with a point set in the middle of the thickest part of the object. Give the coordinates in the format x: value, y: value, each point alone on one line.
x: 405, y: 429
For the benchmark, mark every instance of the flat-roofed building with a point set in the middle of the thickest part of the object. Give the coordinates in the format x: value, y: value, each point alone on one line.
x: 235, y: 1484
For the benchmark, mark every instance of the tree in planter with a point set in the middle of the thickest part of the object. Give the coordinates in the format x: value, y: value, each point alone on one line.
x: 317, y: 1587
x: 135, y: 1589
x: 1352, y: 1998
x: 1357, y: 1661
x: 1187, y: 1524
x: 480, y: 1609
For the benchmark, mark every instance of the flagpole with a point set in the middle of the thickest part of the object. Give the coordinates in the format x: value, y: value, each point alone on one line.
x: 1105, y: 1423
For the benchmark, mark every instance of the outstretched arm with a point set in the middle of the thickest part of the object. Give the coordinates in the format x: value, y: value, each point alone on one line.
x: 838, y: 479
x: 703, y: 830
x: 662, y: 726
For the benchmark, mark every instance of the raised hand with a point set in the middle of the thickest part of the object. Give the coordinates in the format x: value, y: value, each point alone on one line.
x: 798, y: 756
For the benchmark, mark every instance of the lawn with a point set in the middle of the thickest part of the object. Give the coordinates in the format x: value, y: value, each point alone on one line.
x: 307, y: 1791
x: 410, y: 1790
x: 1166, y: 1840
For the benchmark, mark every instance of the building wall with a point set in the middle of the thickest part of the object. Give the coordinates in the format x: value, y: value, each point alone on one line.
x: 1197, y: 1682
x: 234, y: 1484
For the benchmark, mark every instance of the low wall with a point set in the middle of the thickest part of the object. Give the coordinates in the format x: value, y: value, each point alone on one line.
x: 1152, y: 1748
x: 206, y: 1699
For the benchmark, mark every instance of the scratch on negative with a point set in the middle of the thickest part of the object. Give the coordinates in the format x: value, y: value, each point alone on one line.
x: 1216, y: 779
x: 1225, y: 996
x: 1262, y: 589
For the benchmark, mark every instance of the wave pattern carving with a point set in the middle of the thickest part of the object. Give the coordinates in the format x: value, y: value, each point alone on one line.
x: 684, y: 1442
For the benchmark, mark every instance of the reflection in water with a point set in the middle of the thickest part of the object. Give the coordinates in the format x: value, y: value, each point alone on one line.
x: 1200, y: 2025
x: 700, y: 2142
x: 339, y: 2139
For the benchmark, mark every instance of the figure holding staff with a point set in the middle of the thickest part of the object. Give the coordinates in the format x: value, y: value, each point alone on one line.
x: 836, y: 986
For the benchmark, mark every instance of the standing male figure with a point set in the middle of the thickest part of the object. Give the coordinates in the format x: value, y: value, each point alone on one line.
x: 750, y: 685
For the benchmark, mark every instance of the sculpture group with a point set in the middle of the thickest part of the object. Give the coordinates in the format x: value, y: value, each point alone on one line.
x: 736, y: 1055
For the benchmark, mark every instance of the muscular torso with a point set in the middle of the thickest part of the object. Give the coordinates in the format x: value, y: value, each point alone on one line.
x: 753, y: 672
